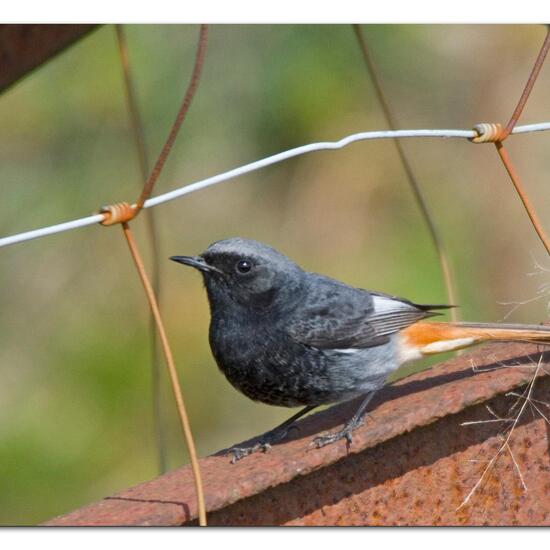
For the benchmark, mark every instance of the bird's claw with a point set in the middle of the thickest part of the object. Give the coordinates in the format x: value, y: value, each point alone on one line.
x: 345, y: 433
x: 241, y: 452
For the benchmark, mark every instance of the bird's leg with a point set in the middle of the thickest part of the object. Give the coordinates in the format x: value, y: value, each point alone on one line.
x: 346, y: 432
x: 269, y: 438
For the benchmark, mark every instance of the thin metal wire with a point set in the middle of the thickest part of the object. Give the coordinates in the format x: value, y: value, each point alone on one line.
x: 503, y: 153
x: 141, y: 150
x: 527, y: 128
x: 127, y: 213
x: 537, y: 66
x: 256, y: 165
x: 452, y: 296
x: 132, y: 104
x: 184, y: 419
x: 180, y: 117
x: 514, y: 176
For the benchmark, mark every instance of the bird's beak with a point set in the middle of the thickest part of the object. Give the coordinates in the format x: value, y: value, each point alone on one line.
x: 197, y: 262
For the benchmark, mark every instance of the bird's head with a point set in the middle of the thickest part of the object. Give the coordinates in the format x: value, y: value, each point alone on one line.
x: 246, y: 272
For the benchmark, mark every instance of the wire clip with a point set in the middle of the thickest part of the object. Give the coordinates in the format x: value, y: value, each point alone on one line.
x: 119, y: 212
x: 487, y: 132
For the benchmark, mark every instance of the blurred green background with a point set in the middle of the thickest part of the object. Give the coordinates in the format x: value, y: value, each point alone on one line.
x: 75, y: 398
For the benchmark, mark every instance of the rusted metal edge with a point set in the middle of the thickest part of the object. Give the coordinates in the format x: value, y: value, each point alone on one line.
x: 25, y: 47
x: 411, y: 403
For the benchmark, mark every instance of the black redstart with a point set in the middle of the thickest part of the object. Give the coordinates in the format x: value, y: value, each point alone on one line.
x: 287, y: 337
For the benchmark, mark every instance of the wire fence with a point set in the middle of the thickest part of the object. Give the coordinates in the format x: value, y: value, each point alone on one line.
x: 179, y: 192
x: 124, y: 213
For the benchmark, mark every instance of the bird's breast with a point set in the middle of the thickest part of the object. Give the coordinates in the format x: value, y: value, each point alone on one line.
x: 259, y: 361
x: 263, y: 362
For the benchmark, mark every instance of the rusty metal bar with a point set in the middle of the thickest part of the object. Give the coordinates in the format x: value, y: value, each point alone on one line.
x: 25, y: 47
x: 411, y: 463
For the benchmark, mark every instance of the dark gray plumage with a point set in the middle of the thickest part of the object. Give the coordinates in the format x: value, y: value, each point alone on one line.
x: 286, y: 337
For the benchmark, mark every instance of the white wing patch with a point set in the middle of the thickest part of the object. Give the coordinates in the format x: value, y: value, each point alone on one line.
x: 383, y: 304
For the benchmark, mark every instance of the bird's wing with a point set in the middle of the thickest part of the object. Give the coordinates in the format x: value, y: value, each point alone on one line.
x: 335, y: 316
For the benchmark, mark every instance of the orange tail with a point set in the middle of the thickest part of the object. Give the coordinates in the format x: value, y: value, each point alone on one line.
x: 429, y: 338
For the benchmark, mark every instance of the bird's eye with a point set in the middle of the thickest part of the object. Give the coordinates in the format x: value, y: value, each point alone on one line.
x: 244, y: 266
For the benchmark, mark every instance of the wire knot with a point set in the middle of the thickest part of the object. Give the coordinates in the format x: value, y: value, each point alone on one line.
x: 487, y: 132
x: 117, y: 213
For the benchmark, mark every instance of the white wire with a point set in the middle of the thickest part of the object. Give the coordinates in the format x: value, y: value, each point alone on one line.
x: 301, y: 151
x: 50, y: 230
x: 273, y: 159
x: 540, y: 127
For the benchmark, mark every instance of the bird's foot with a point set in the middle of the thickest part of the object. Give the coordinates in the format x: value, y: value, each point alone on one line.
x: 344, y: 433
x: 240, y: 452
x: 263, y: 445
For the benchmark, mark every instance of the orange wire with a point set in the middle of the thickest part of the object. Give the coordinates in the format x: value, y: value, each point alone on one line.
x: 123, y: 213
x: 523, y: 195
x: 186, y: 427
x: 503, y: 154
x: 494, y: 133
x: 537, y: 66
x: 189, y: 94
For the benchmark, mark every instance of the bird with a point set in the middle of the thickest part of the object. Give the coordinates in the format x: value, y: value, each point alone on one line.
x: 286, y: 337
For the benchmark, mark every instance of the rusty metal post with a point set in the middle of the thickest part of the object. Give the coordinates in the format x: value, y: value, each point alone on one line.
x: 25, y: 47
